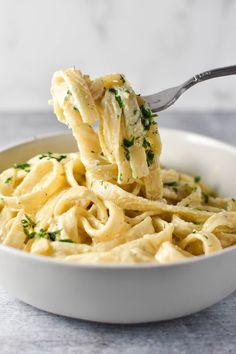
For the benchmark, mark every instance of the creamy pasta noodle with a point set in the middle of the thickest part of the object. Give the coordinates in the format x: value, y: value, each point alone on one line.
x: 111, y: 202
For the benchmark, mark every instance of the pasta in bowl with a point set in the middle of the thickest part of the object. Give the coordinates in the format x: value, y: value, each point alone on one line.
x: 130, y: 292
x: 112, y: 201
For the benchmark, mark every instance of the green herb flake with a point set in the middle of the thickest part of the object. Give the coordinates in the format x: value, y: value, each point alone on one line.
x: 146, y: 112
x: 42, y: 233
x: 31, y: 222
x: 171, y: 184
x: 8, y: 180
x: 50, y: 156
x: 150, y: 157
x: 197, y: 179
x: 146, y: 117
x: 205, y: 236
x: 22, y: 166
x: 121, y: 177
x: 122, y: 79
x: 117, y: 97
x: 146, y: 143
x: 127, y: 143
x: 67, y: 241
x: 53, y: 234
x: 205, y: 198
x: 61, y: 157
x: 68, y: 93
x: 113, y: 90
x: 28, y: 227
x: 120, y: 102
x: 31, y: 235
x: 75, y: 109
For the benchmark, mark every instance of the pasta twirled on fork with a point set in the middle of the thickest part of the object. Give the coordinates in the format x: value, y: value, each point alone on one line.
x: 110, y: 202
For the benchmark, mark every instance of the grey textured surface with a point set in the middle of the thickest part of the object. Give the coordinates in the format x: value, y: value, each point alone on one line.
x: 24, y: 329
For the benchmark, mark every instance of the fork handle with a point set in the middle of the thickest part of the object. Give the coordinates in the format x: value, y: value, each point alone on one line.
x: 210, y: 74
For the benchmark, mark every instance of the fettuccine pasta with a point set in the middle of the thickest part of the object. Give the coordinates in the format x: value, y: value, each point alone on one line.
x: 110, y: 202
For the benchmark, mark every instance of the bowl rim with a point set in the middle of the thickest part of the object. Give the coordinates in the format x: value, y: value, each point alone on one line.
x: 116, y: 266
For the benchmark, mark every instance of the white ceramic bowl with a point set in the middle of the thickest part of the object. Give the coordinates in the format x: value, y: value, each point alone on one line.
x: 128, y: 294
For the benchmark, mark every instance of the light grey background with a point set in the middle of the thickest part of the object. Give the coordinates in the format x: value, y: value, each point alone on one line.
x: 156, y: 43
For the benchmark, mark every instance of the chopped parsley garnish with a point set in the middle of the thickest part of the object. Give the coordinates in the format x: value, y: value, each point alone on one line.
x: 75, y: 109
x: 53, y: 234
x: 205, y: 198
x: 117, y: 97
x: 121, y: 177
x: 66, y: 240
x: 149, y: 153
x: 146, y: 112
x: 174, y: 186
x: 102, y: 154
x: 205, y: 236
x: 146, y: 143
x: 22, y: 166
x: 122, y: 79
x: 8, y: 180
x: 135, y: 111
x: 171, y: 184
x: 113, y: 90
x: 150, y: 156
x: 28, y: 222
x: 120, y: 102
x: 42, y: 233
x: 50, y: 156
x: 127, y: 143
x: 146, y: 117
x: 68, y: 93
x: 197, y: 179
x: 28, y: 227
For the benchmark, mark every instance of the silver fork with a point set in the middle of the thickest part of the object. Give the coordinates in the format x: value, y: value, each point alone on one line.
x: 164, y: 99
